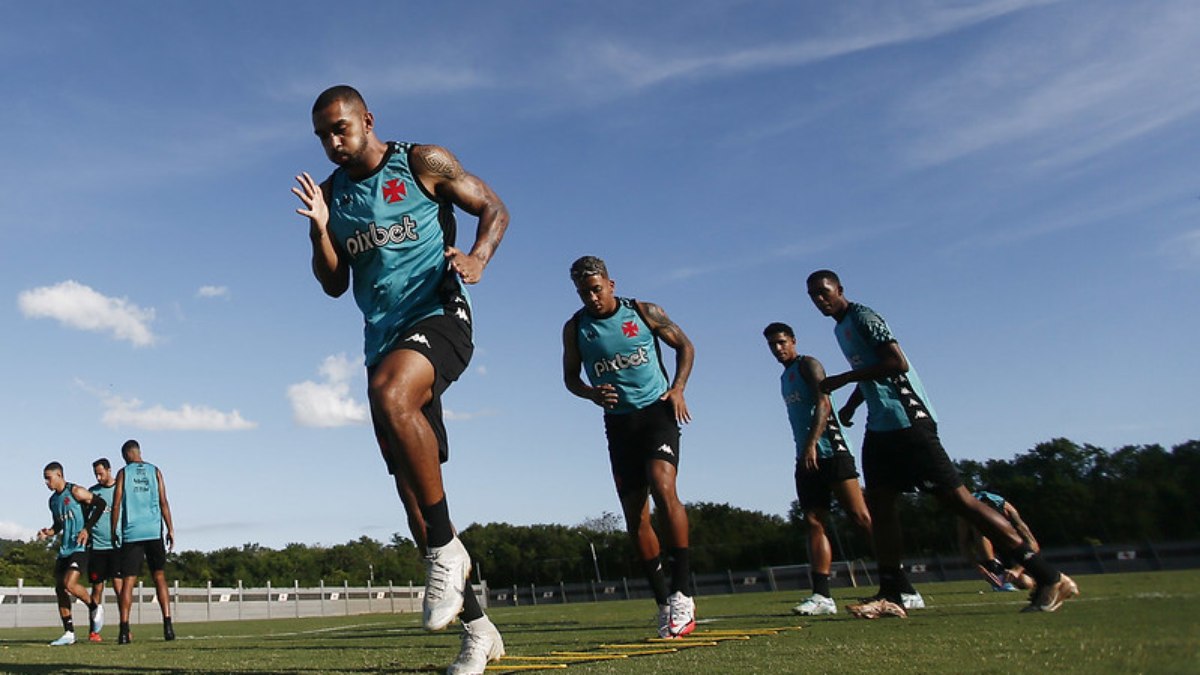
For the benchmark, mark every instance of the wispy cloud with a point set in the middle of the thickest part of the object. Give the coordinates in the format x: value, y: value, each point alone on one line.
x: 328, y: 403
x: 1081, y: 92
x: 212, y: 292
x: 132, y: 413
x: 78, y: 306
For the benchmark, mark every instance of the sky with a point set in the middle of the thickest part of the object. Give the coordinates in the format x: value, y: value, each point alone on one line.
x: 1011, y: 184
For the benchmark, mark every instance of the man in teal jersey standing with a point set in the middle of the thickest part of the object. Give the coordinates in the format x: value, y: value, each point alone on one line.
x: 616, y: 341
x: 103, y: 555
x: 140, y: 510
x: 902, y: 452
x: 67, y: 504
x: 383, y: 223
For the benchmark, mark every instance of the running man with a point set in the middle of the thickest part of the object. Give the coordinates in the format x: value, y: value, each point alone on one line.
x: 902, y: 452
x: 67, y: 505
x: 103, y: 555
x: 383, y: 223
x: 139, y: 511
x: 616, y: 340
x: 998, y: 567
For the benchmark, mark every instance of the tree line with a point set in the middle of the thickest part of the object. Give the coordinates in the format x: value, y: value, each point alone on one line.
x: 1069, y: 494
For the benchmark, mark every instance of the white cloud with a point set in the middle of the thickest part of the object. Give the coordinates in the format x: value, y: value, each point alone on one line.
x: 14, y: 531
x: 213, y: 292
x: 455, y: 416
x: 328, y: 403
x: 122, y: 412
x: 78, y: 306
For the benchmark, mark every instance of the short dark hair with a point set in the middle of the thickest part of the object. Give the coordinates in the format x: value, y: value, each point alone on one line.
x: 588, y: 265
x: 339, y: 92
x: 129, y: 446
x: 53, y: 466
x: 824, y: 274
x: 103, y: 461
x: 778, y: 327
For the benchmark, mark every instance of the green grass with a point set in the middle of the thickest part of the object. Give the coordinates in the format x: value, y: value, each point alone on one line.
x: 1123, y: 623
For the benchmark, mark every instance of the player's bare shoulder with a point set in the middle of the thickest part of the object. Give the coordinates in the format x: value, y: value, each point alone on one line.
x: 435, y: 162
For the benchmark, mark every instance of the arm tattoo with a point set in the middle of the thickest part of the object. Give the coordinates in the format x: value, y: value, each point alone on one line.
x: 665, y: 326
x: 438, y: 161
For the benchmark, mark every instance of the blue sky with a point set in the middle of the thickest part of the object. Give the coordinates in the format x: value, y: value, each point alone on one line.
x: 1011, y: 184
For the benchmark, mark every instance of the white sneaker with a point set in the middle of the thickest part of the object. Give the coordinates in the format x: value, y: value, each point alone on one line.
x: 97, y: 619
x: 816, y: 605
x: 912, y: 600
x: 68, y: 638
x: 683, y: 614
x: 481, y: 643
x: 446, y: 571
x: 664, y: 621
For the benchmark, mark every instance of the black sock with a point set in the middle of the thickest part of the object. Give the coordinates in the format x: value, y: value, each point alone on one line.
x: 438, y: 530
x: 92, y: 607
x: 471, y: 609
x: 1037, y: 567
x: 680, y: 570
x: 68, y: 624
x: 889, y: 582
x: 906, y: 586
x: 124, y: 627
x: 820, y: 584
x: 658, y: 583
x: 166, y: 621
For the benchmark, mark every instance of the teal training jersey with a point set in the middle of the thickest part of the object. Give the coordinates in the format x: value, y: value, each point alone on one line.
x: 102, y: 539
x: 801, y: 400
x: 892, y: 402
x: 621, y: 350
x: 141, y: 515
x: 394, y: 236
x: 68, y: 517
x: 991, y: 499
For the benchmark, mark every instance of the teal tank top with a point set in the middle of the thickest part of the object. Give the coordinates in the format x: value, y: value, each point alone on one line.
x: 102, y: 539
x: 141, y: 516
x: 68, y: 513
x: 394, y: 235
x: 621, y: 350
x: 801, y: 400
x: 991, y: 499
x: 893, y: 402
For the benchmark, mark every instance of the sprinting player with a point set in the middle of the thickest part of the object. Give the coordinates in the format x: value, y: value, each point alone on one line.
x: 67, y: 506
x: 997, y: 567
x: 902, y: 452
x: 140, y: 510
x: 383, y: 222
x: 103, y: 555
x: 616, y: 340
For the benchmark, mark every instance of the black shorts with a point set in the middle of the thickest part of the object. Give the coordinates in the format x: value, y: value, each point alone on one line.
x: 446, y: 341
x: 103, y: 564
x: 908, y: 459
x: 75, y: 561
x: 814, y: 489
x: 636, y: 438
x: 133, y: 553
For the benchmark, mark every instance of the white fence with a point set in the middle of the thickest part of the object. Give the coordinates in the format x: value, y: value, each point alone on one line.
x: 32, y: 606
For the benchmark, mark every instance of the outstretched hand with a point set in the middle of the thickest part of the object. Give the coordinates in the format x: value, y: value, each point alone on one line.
x: 315, y: 208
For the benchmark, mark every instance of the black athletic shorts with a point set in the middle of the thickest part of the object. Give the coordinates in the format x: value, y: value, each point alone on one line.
x: 446, y: 341
x: 908, y: 459
x: 814, y: 489
x: 75, y: 561
x: 152, y: 551
x: 103, y: 564
x: 636, y: 438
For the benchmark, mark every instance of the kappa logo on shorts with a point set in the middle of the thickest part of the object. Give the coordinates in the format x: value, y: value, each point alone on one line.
x: 666, y: 450
x: 419, y: 338
x: 462, y: 314
x: 74, y: 565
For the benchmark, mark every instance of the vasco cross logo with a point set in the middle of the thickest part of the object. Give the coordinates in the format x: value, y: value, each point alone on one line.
x: 378, y: 237
x: 394, y: 191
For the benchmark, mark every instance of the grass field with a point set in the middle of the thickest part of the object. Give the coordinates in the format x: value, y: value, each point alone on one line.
x: 1122, y: 623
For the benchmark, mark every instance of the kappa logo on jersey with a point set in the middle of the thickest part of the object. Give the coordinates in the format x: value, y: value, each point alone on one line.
x: 621, y: 362
x: 378, y: 237
x: 395, y: 190
x: 420, y: 339
x: 630, y: 329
